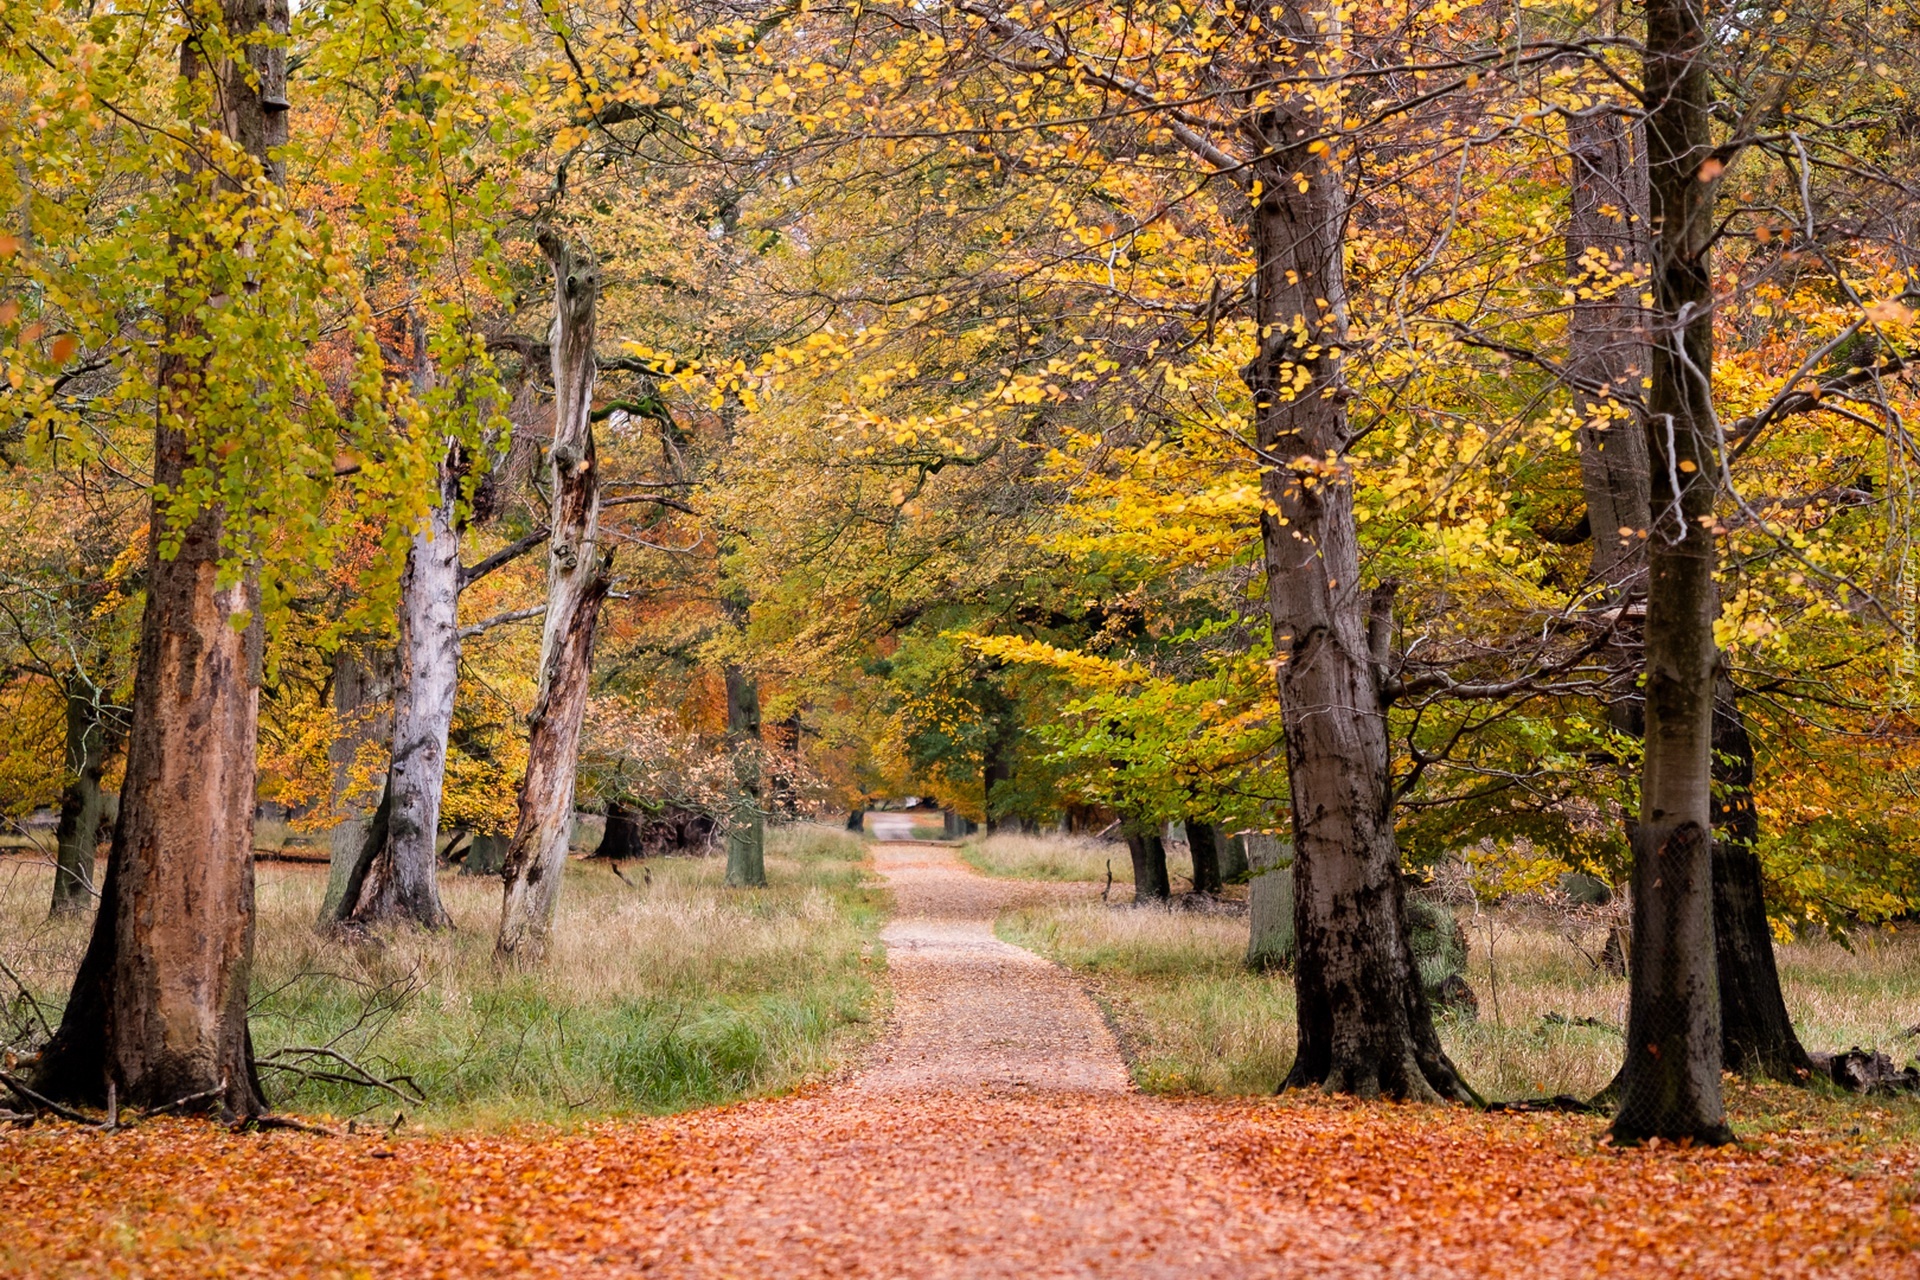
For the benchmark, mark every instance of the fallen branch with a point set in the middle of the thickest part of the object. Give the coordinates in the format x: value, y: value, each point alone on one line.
x: 361, y: 1077
x: 44, y: 1103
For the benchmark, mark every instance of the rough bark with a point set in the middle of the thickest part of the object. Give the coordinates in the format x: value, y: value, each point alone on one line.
x: 1203, y: 845
x: 1670, y: 1085
x: 1270, y: 904
x: 577, y: 582
x: 159, y: 1006
x: 1607, y: 351
x: 362, y: 688
x: 1149, y: 854
x: 1364, y: 1023
x: 747, y: 830
x: 398, y: 883
x: 1756, y: 1035
x: 90, y: 740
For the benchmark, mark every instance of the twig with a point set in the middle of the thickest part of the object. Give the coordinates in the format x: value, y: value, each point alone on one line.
x: 187, y: 1101
x: 281, y: 1122
x: 44, y: 1103
x: 364, y: 1078
x: 38, y: 1012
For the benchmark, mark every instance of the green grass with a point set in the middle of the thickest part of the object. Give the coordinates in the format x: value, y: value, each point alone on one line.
x: 1193, y: 1019
x: 1050, y: 857
x: 667, y: 993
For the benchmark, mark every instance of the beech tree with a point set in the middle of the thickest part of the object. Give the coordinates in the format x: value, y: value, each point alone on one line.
x: 158, y: 1012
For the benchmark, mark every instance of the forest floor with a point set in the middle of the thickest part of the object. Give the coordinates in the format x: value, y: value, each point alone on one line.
x: 991, y: 1132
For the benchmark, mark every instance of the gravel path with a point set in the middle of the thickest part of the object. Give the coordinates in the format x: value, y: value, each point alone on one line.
x: 971, y: 1011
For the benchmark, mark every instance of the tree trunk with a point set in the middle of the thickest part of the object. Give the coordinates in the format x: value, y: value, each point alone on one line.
x: 397, y: 883
x: 159, y: 1006
x: 1756, y: 1035
x: 1203, y: 844
x: 626, y: 835
x: 997, y: 770
x: 1149, y: 854
x: 90, y: 740
x: 362, y: 683
x: 1364, y: 1024
x: 747, y: 831
x: 856, y: 819
x: 1670, y: 1085
x: 1607, y: 352
x: 1270, y: 904
x: 576, y: 584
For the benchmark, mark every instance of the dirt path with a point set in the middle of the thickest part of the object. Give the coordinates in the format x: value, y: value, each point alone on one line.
x: 971, y: 1011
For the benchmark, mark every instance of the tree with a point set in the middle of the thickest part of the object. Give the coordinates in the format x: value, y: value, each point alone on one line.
x: 158, y: 1011
x: 1670, y: 1086
x: 577, y: 583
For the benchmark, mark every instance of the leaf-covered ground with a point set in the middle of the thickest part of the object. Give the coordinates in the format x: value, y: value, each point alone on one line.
x: 840, y: 1182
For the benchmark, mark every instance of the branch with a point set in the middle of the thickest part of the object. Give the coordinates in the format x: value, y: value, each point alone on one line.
x: 44, y: 1103
x: 505, y: 555
x: 501, y: 620
x: 657, y: 499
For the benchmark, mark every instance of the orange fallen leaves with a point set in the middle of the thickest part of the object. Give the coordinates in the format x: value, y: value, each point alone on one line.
x: 846, y: 1183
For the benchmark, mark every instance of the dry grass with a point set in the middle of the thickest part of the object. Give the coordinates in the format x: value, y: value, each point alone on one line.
x: 1195, y: 1020
x: 1010, y: 855
x: 665, y: 993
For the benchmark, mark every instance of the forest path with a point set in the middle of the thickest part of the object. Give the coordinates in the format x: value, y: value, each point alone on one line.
x: 971, y: 1011
x: 991, y: 1133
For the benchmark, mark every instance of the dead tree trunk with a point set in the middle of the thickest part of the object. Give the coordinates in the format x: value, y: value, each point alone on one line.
x: 1670, y: 1085
x: 396, y: 881
x: 159, y: 1006
x: 1364, y: 1023
x: 90, y: 740
x: 747, y: 829
x: 577, y: 581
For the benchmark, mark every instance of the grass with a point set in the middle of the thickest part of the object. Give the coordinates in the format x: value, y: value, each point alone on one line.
x: 667, y: 993
x: 1051, y: 857
x: 1193, y: 1019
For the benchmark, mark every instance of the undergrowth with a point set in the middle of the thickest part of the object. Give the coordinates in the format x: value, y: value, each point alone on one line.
x: 1010, y: 855
x: 664, y: 990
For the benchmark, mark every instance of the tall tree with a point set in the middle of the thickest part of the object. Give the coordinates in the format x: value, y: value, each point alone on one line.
x: 1670, y: 1086
x: 1364, y: 1023
x: 158, y: 1010
x: 93, y: 727
x: 577, y: 582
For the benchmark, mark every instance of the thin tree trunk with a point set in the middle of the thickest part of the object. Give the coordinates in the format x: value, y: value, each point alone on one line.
x: 1364, y: 1023
x: 362, y: 683
x: 1670, y: 1085
x: 1203, y: 843
x: 77, y: 840
x: 747, y: 832
x: 577, y: 582
x: 1756, y: 1035
x: 398, y: 882
x: 996, y: 771
x: 1149, y: 854
x: 158, y: 1009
